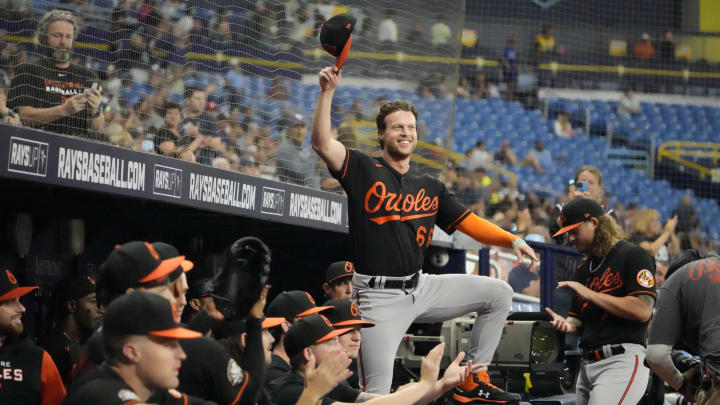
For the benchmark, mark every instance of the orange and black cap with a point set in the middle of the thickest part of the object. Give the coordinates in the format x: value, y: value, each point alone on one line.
x: 9, y: 288
x: 576, y: 212
x: 235, y: 327
x: 345, y: 313
x: 339, y: 270
x: 336, y: 37
x: 293, y: 304
x: 135, y: 264
x: 310, y: 330
x: 168, y: 251
x: 143, y: 313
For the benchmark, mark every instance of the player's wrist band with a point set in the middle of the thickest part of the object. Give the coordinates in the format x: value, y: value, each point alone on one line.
x: 516, y: 241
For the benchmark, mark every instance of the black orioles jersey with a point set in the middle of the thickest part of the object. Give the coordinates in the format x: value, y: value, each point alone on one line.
x: 393, y: 215
x: 627, y: 270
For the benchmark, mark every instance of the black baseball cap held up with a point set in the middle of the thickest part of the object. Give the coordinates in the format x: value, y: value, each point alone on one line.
x: 9, y: 288
x: 339, y: 270
x: 143, y: 313
x: 168, y: 251
x: 576, y: 212
x: 336, y: 37
x: 345, y: 313
x: 310, y: 330
x: 293, y: 304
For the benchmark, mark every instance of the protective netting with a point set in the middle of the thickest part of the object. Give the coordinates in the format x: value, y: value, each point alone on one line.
x: 514, y: 96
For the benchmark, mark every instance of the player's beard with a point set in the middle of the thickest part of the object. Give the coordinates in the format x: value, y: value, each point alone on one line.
x: 11, y: 330
x: 58, y: 55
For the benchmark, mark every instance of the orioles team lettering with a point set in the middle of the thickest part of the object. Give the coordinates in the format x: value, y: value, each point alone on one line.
x: 609, y: 281
x: 377, y: 198
x: 7, y: 373
x: 709, y: 266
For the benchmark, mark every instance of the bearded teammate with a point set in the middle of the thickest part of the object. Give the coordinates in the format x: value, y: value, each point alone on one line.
x: 393, y: 210
x: 614, y: 296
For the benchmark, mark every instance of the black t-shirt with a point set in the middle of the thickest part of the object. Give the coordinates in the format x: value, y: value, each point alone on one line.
x: 44, y: 85
x: 208, y: 126
x: 277, y: 369
x: 291, y: 386
x: 627, y: 270
x: 393, y: 215
x: 102, y: 385
x: 687, y: 313
x: 64, y: 352
x: 209, y: 372
x: 164, y: 135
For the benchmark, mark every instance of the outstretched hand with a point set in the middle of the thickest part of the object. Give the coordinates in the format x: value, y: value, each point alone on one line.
x: 522, y: 250
x: 559, y: 322
x: 329, y: 78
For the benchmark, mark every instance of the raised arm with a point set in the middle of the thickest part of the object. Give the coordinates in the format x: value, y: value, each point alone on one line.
x: 330, y: 150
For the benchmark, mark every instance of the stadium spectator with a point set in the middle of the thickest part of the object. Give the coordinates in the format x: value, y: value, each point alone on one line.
x: 644, y: 50
x: 463, y: 88
x: 481, y: 88
x: 685, y: 212
x: 11, y: 57
x: 388, y: 29
x: 563, y: 127
x: 29, y: 373
x: 440, y: 32
x: 645, y: 232
x: 70, y: 105
x: 296, y: 161
x: 661, y: 267
x: 505, y: 155
x: 539, y: 158
x: 75, y: 315
x: 666, y: 49
x: 509, y: 67
x: 464, y: 189
x: 7, y: 116
x: 544, y: 41
x: 415, y: 37
x: 199, y: 124
x: 478, y: 157
x: 628, y: 105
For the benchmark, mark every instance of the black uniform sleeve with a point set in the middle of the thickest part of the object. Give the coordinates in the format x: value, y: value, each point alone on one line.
x: 639, y: 272
x: 344, y: 393
x: 288, y: 394
x: 228, y: 379
x: 667, y: 312
x: 23, y: 88
x: 350, y: 169
x: 202, y: 322
x: 450, y: 211
x: 253, y: 361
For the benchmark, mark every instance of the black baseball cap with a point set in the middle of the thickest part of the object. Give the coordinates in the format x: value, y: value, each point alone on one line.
x: 9, y: 288
x: 308, y: 331
x: 336, y: 37
x: 293, y: 304
x: 168, y: 251
x: 345, y: 313
x: 236, y: 327
x: 74, y: 287
x: 576, y: 212
x: 144, y: 313
x: 136, y: 264
x: 339, y: 270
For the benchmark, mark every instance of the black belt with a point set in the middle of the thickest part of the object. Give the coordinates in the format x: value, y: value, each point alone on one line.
x: 395, y: 284
x: 599, y: 353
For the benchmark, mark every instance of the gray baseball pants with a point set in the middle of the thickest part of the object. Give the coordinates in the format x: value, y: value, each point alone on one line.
x: 620, y: 379
x: 436, y: 298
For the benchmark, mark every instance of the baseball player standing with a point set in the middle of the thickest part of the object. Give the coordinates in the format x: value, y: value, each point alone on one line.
x: 393, y: 211
x: 614, y: 296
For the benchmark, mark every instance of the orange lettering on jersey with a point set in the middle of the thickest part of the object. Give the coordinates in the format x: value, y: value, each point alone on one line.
x: 707, y: 266
x: 609, y: 281
x: 395, y: 205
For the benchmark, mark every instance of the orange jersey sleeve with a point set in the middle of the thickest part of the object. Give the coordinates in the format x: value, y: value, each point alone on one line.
x: 51, y: 385
x: 485, y: 231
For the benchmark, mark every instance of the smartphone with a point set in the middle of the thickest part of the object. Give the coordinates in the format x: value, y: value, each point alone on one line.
x: 579, y: 186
